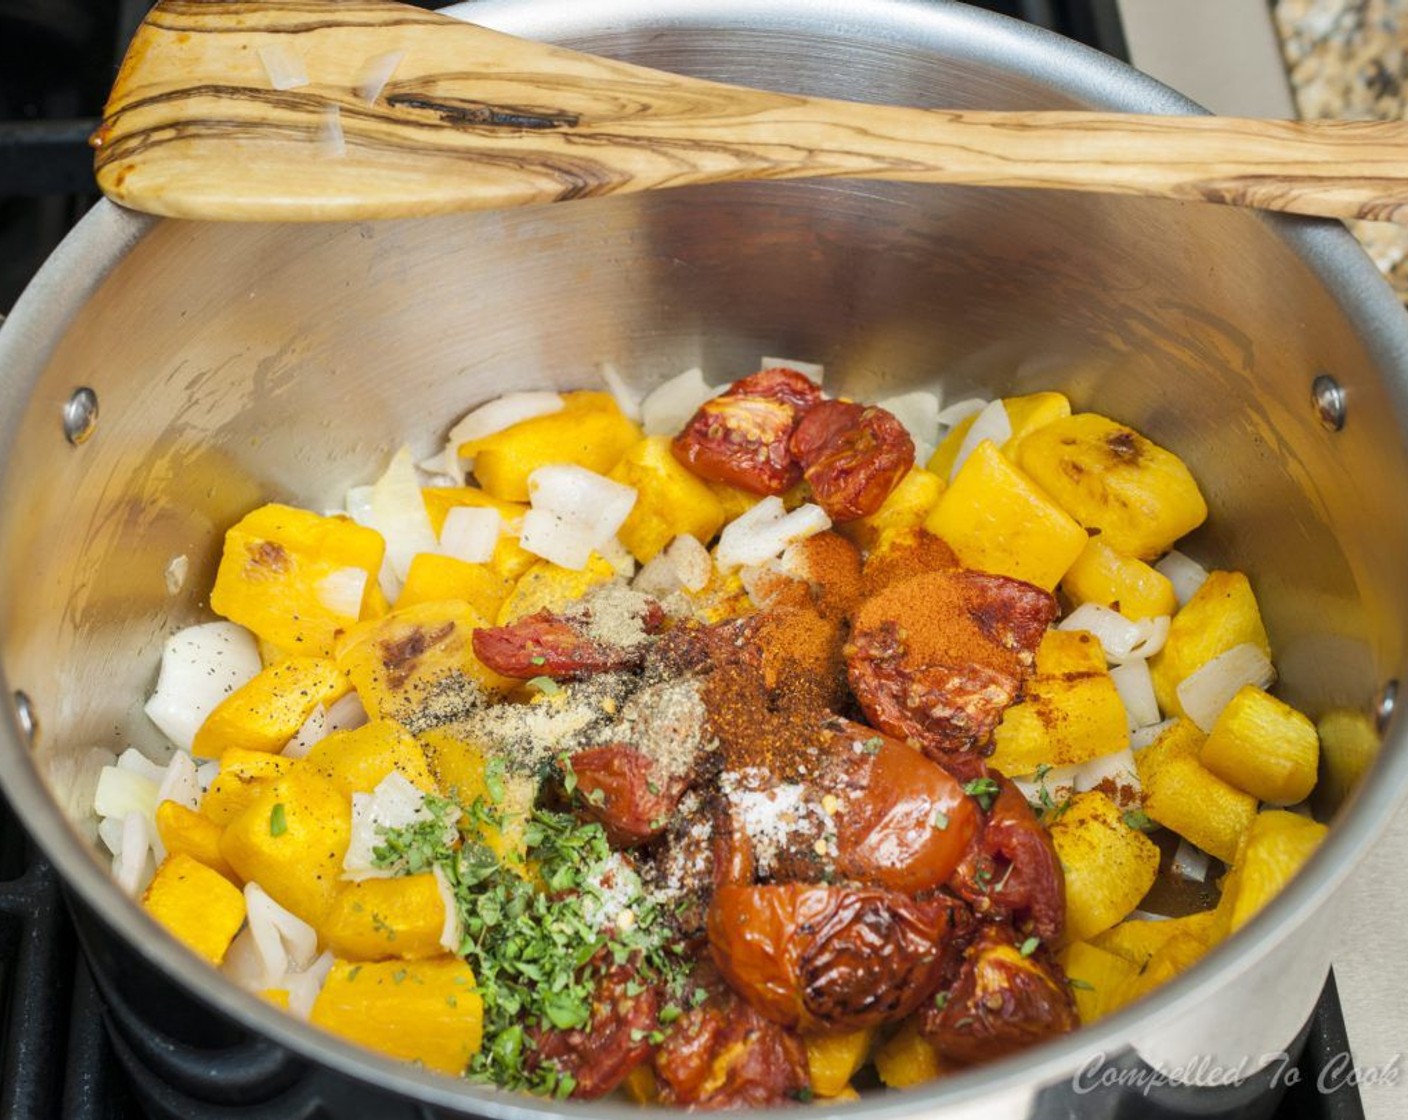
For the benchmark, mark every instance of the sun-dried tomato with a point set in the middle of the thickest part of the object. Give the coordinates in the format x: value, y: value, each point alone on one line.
x: 547, y: 644
x: 852, y: 456
x: 625, y: 1010
x: 618, y: 787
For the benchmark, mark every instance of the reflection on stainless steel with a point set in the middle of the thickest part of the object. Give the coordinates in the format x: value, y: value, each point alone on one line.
x: 237, y: 364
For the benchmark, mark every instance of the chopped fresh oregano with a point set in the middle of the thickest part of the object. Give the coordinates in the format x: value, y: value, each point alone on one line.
x: 982, y: 790
x: 278, y: 820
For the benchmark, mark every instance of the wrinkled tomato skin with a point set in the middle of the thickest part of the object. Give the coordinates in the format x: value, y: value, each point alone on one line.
x: 1011, y: 869
x: 1001, y: 1002
x: 905, y: 821
x: 852, y: 455
x: 779, y: 384
x: 741, y: 441
x: 723, y: 1054
x: 546, y: 645
x: 601, y: 1054
x: 832, y: 958
x: 616, y: 789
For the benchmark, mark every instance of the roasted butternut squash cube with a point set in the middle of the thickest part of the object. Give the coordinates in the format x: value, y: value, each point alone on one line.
x: 510, y: 559
x: 1109, y: 866
x: 547, y: 587
x: 377, y: 919
x: 1140, y: 497
x: 941, y: 462
x: 266, y: 712
x: 416, y: 656
x: 1349, y: 744
x: 997, y: 520
x: 640, y: 1085
x: 902, y: 512
x: 670, y: 499
x: 433, y: 578
x: 420, y: 1011
x: 242, y: 775
x: 200, y: 907
x: 356, y: 761
x: 290, y: 575
x: 734, y: 499
x: 589, y: 431
x: 1221, y: 614
x: 291, y: 840
x: 1062, y: 720
x: 462, y: 769
x: 1264, y: 746
x: 1100, y: 980
x: 193, y: 834
x: 1062, y: 652
x: 1031, y: 411
x: 906, y: 1059
x: 833, y: 1059
x: 1122, y: 583
x: 1182, y: 794
x: 1177, y: 954
x: 1276, y: 845
x: 1138, y: 939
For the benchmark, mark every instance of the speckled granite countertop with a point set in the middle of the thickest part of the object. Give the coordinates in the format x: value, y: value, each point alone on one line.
x: 1349, y: 58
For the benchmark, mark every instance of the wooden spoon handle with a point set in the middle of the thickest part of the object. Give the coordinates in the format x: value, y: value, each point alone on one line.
x: 473, y: 119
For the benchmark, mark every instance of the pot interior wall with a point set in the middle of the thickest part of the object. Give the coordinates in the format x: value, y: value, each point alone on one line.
x: 240, y: 364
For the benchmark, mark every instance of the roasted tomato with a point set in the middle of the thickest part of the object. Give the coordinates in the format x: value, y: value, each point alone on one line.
x: 852, y: 455
x: 1011, y: 870
x: 937, y: 658
x: 550, y: 645
x: 742, y: 437
x: 613, y: 1043
x: 723, y: 1054
x: 617, y: 787
x: 832, y: 958
x: 904, y: 822
x: 1002, y: 1002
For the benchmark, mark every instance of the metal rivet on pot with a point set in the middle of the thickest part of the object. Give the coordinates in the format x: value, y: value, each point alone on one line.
x: 1328, y: 397
x: 24, y: 715
x: 1385, y: 705
x: 80, y: 415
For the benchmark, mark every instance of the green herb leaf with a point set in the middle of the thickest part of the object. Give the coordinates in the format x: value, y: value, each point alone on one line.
x: 1030, y: 946
x: 1138, y: 820
x: 1081, y: 985
x: 982, y: 790
x: 539, y: 660
x: 873, y: 745
x: 941, y: 1000
x: 546, y: 685
x: 940, y: 819
x: 278, y: 821
x: 494, y: 780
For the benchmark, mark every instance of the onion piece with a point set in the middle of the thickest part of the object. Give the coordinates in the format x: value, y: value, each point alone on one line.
x: 1114, y: 774
x: 626, y: 399
x: 1147, y: 736
x: 1116, y: 634
x: 180, y: 783
x: 284, y: 942
x: 452, y: 932
x: 332, y: 141
x: 358, y: 504
x: 959, y: 411
x: 691, y: 561
x: 815, y: 370
x: 341, y: 591
x: 313, y: 732
x: 110, y: 830
x: 175, y: 574
x: 135, y: 761
x: 471, y: 533
x: 765, y: 531
x: 574, y: 512
x: 346, y: 713
x: 1135, y: 684
x: 131, y: 867
x: 303, y: 987
x: 1190, y: 863
x: 1186, y: 575
x: 1153, y: 633
x: 284, y: 66
x: 658, y: 576
x: 919, y: 413
x: 1209, y: 689
x: 619, y: 557
x: 394, y: 803
x: 398, y: 513
x: 375, y: 73
x: 496, y: 416
x: 200, y: 666
x: 122, y: 792
x: 668, y: 407
x: 993, y: 424
x: 1055, y: 785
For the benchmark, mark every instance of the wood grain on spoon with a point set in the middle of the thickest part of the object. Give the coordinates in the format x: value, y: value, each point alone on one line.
x: 473, y: 119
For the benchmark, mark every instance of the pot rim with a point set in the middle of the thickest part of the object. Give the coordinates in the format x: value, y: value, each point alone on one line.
x: 104, y: 237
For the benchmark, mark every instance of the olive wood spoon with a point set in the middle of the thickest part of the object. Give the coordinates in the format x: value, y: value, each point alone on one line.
x: 474, y: 119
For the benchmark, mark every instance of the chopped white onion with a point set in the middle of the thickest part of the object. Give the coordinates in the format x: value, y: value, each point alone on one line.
x: 346, y: 713
x: 764, y: 531
x: 1135, y: 684
x: 1116, y: 634
x: 110, y: 830
x: 331, y: 140
x: 691, y: 561
x: 313, y: 732
x: 815, y: 370
x: 1153, y: 633
x: 619, y: 557
x: 375, y: 73
x: 667, y: 408
x: 283, y: 941
x: 1206, y: 691
x: 175, y: 574
x: 1058, y: 782
x: 1186, y: 575
x: 1147, y: 736
x: 284, y: 66
x: 452, y: 932
x: 1190, y: 863
x: 992, y: 423
x: 496, y: 416
x: 919, y: 413
x: 471, y: 533
x: 1114, y: 774
x: 626, y: 399
x: 341, y: 591
x: 394, y: 803
x: 206, y: 773
x: 303, y: 987
x: 134, y: 760
x: 657, y: 576
x: 180, y: 784
x: 200, y: 666
x: 131, y: 867
x: 574, y: 512
x: 959, y: 411
x: 398, y: 513
x: 122, y: 792
x: 242, y: 964
x: 359, y: 505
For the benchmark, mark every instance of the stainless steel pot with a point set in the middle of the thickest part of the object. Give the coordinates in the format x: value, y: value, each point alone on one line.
x: 237, y: 364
